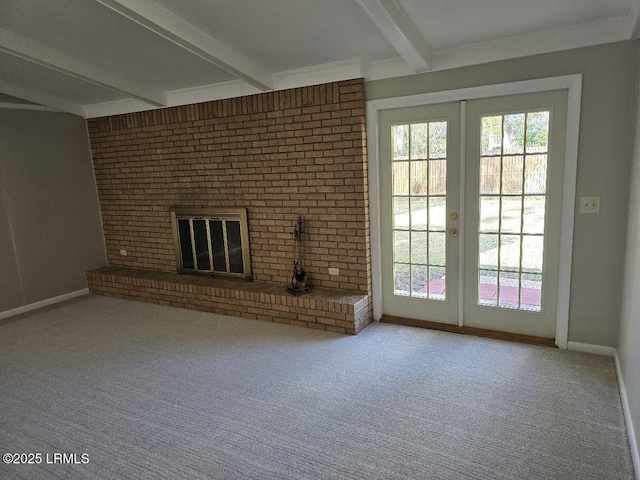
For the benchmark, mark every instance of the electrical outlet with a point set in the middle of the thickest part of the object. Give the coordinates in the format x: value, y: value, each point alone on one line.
x: 589, y: 204
x: 123, y: 252
x: 334, y: 272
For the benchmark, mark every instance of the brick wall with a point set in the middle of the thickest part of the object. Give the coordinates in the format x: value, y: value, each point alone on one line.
x: 279, y: 154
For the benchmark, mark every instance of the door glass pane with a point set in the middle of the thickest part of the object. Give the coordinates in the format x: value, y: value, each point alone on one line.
x: 537, y: 132
x: 419, y: 213
x: 489, y: 214
x: 184, y: 230
x: 490, y: 176
x: 419, y: 281
x: 401, y: 246
x: 401, y: 280
x: 513, y: 140
x: 400, y: 142
x: 437, y: 248
x: 419, y: 177
x: 488, y: 251
x: 511, y: 225
x: 534, y: 209
x: 235, y: 247
x: 437, y: 283
x: 488, y: 287
x: 532, y: 253
x: 419, y: 248
x: 202, y: 245
x: 491, y: 136
x: 437, y: 213
x: 531, y: 292
x: 512, y: 177
x: 509, y: 290
x: 400, y: 178
x: 511, y: 214
x: 437, y: 177
x: 437, y: 139
x: 401, y: 213
x: 510, y: 252
x: 535, y: 177
x: 419, y: 140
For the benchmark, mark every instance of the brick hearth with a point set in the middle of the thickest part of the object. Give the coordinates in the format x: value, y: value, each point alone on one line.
x: 324, y: 309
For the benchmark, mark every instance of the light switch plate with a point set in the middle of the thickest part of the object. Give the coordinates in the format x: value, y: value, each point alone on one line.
x: 589, y: 204
x: 123, y: 252
x: 334, y: 271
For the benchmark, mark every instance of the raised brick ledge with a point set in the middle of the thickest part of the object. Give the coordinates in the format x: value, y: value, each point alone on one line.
x: 333, y: 310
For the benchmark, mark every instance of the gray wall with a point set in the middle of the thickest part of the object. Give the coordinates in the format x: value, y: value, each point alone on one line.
x: 603, y: 165
x: 629, y: 344
x: 50, y: 229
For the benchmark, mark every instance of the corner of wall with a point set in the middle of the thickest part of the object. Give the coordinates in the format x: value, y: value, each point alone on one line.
x: 95, y: 185
x: 628, y: 418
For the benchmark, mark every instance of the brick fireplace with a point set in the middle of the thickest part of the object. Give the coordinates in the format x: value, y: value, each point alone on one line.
x: 280, y: 155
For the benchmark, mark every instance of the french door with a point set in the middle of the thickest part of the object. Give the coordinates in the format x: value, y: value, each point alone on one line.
x: 420, y: 191
x: 473, y: 240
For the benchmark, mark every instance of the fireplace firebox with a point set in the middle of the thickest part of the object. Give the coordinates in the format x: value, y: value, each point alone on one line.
x: 212, y: 241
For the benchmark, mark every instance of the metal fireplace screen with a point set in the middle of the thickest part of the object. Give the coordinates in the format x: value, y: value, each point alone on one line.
x: 212, y: 241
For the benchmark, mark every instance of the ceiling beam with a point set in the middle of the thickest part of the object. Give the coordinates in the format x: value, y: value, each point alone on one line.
x: 61, y: 62
x: 394, y: 24
x: 165, y: 23
x: 45, y: 99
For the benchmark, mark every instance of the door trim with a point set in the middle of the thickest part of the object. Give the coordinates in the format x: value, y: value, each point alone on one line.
x: 572, y: 83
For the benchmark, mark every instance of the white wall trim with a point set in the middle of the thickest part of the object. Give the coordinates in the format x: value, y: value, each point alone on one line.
x: 373, y: 170
x: 388, y: 68
x: 633, y: 442
x: 570, y: 82
x: 43, y: 303
x: 51, y: 101
x: 598, y: 32
x: 317, y: 74
x: 26, y: 106
x: 462, y: 210
x: 302, y: 77
x: 573, y: 83
x: 568, y: 210
x: 206, y: 93
x: 591, y: 348
x: 185, y: 96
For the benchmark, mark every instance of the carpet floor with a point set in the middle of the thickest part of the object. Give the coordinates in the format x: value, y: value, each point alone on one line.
x: 154, y: 392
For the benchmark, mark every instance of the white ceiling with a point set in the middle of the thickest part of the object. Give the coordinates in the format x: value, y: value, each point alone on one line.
x: 102, y: 57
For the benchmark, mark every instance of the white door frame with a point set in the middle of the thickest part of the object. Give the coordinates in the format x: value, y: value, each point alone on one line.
x: 573, y: 83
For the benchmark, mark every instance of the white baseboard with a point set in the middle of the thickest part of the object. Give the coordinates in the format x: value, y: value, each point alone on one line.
x: 635, y: 452
x: 590, y: 348
x: 43, y: 303
x: 612, y: 352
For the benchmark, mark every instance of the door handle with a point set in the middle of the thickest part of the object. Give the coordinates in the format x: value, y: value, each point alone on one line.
x: 454, y: 215
x: 453, y: 232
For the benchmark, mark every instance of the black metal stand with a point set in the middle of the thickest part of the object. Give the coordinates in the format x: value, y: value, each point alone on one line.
x: 299, y: 276
x: 298, y: 291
